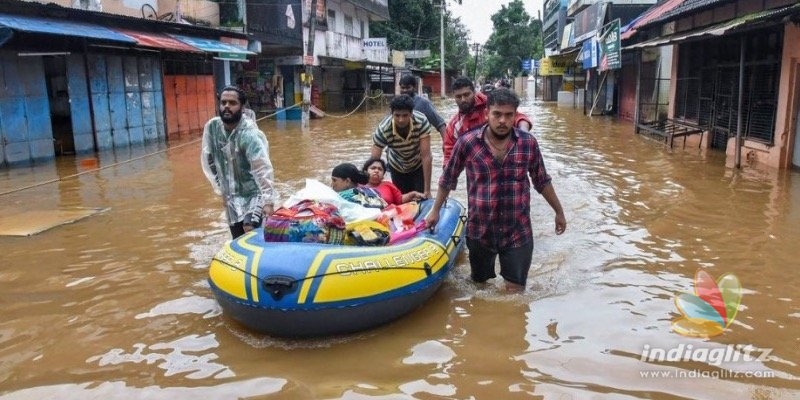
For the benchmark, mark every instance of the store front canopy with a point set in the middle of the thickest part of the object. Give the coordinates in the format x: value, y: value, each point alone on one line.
x: 749, y: 21
x: 348, y: 63
x: 223, y: 51
x: 49, y: 26
x: 158, y: 41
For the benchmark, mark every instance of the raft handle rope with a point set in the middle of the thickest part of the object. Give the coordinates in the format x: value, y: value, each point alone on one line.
x: 378, y: 95
x: 279, y: 111
x: 65, y: 178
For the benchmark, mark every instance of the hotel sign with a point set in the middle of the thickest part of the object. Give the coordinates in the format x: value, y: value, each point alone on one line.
x: 374, y: 43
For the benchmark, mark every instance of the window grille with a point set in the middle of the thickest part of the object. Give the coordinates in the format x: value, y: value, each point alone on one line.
x: 707, y: 89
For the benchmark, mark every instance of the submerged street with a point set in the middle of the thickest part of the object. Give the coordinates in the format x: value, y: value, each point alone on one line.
x: 116, y: 305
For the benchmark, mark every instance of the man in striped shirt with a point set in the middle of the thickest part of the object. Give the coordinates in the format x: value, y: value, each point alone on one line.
x: 501, y: 161
x: 406, y: 136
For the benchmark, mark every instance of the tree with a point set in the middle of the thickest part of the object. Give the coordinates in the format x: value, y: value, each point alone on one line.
x: 414, y: 25
x: 516, y: 37
x: 456, y: 48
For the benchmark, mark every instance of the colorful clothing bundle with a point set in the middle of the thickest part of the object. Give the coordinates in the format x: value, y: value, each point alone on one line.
x: 366, y: 196
x: 308, y: 221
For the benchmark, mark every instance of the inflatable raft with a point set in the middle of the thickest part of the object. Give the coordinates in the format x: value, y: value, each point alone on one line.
x: 309, y: 289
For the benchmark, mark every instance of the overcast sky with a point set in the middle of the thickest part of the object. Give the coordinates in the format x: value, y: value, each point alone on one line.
x: 475, y: 15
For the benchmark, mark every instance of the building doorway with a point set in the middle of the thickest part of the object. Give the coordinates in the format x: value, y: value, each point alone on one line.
x: 55, y: 70
x: 796, y: 152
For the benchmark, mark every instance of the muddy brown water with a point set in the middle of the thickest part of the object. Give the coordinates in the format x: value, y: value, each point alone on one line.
x: 116, y: 306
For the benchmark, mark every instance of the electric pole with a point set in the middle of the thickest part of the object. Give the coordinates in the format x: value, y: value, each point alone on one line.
x: 309, y: 64
x: 476, y: 47
x: 441, y: 49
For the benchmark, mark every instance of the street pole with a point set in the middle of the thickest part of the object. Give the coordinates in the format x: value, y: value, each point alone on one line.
x: 309, y: 64
x: 441, y: 50
x: 475, y: 46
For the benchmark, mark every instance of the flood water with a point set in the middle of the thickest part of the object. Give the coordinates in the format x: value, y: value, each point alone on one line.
x: 116, y: 306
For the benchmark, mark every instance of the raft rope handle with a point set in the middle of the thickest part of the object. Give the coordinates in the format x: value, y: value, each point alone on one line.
x: 428, y: 269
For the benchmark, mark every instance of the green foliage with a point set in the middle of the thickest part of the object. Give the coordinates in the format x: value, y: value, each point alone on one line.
x: 456, y: 48
x: 516, y: 37
x: 415, y: 24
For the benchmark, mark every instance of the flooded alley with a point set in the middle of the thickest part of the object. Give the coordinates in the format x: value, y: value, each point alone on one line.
x: 117, y: 306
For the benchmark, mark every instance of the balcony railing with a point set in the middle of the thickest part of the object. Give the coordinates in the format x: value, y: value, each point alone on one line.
x: 339, y: 45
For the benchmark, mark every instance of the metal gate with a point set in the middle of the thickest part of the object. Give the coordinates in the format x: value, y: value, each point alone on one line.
x: 127, y: 100
x: 25, y: 129
x: 708, y: 85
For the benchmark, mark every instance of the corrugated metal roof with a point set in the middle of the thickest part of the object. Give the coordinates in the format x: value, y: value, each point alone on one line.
x: 650, y: 15
x: 689, y: 6
x: 211, y: 45
x: 61, y: 13
x: 155, y: 40
x: 65, y: 28
x: 734, y: 25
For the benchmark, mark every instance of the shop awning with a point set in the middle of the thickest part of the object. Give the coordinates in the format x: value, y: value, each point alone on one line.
x: 62, y: 28
x: 349, y: 63
x: 224, y: 51
x: 158, y: 41
x: 757, y: 19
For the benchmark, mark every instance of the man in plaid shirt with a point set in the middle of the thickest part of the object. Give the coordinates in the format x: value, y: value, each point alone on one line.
x: 499, y: 160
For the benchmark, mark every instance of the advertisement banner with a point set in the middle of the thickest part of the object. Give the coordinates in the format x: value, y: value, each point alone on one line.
x: 589, y: 21
x: 556, y: 65
x: 589, y: 54
x: 610, y: 57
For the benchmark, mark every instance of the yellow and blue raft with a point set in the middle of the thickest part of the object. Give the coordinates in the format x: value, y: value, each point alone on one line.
x: 312, y: 289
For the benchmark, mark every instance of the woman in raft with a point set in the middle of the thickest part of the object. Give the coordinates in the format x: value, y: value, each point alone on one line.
x: 355, y: 186
x: 375, y: 168
x: 350, y: 183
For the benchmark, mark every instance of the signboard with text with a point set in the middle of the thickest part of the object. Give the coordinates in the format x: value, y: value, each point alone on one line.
x: 527, y: 65
x: 374, y: 43
x: 589, y: 21
x: 417, y: 53
x: 589, y: 54
x: 610, y: 57
x: 556, y: 65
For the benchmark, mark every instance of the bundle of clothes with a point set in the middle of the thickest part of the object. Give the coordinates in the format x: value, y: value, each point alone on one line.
x: 318, y: 214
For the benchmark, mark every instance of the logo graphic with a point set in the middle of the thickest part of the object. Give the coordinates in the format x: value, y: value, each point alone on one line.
x: 711, y: 308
